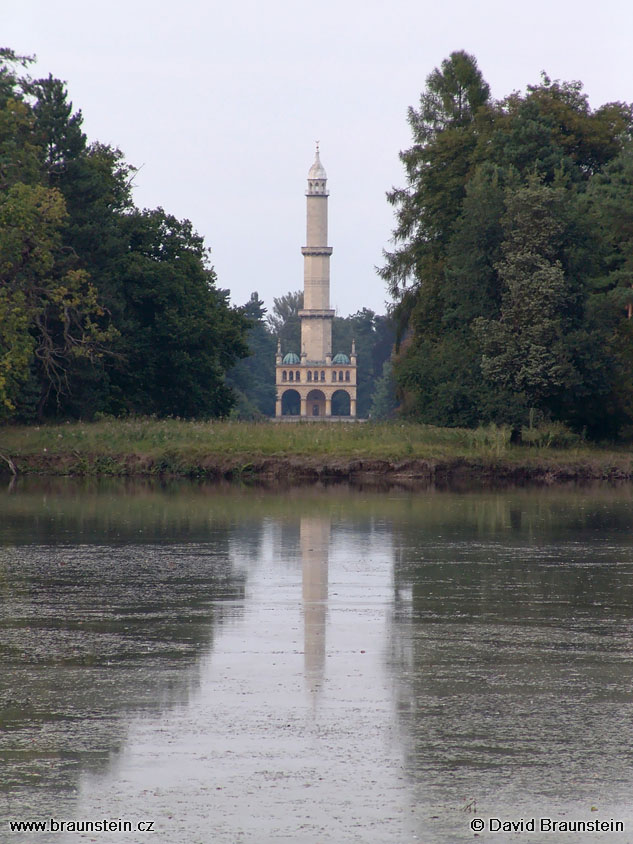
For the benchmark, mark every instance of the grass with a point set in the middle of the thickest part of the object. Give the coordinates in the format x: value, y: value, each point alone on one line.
x: 190, y: 441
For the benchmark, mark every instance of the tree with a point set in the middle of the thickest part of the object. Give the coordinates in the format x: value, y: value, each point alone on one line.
x: 490, y: 324
x: 439, y: 368
x: 104, y: 307
x: 608, y: 207
x: 384, y: 401
x: 285, y: 322
x: 374, y: 337
x: 253, y: 377
x: 59, y: 306
x: 552, y: 130
x: 527, y: 350
x: 57, y: 129
x: 609, y: 202
x: 16, y: 349
x: 20, y: 156
x: 12, y: 84
x: 453, y: 113
x: 179, y: 334
x: 437, y: 166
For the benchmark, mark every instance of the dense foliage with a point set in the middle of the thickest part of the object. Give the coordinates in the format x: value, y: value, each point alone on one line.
x: 253, y: 379
x: 104, y: 308
x: 512, y: 266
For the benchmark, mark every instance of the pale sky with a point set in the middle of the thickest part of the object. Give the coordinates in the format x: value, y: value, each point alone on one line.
x: 221, y: 103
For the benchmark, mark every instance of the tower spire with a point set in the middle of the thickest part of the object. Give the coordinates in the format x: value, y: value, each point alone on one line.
x: 317, y: 177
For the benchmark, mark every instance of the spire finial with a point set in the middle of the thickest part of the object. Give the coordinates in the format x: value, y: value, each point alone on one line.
x: 317, y: 171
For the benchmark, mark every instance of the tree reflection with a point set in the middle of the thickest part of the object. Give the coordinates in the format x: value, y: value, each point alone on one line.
x: 106, y: 612
x: 512, y: 644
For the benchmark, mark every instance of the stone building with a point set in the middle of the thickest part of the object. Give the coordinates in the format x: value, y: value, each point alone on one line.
x: 308, y: 382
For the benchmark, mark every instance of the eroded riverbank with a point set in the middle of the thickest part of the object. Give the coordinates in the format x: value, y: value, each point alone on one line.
x: 375, y: 453
x: 519, y: 469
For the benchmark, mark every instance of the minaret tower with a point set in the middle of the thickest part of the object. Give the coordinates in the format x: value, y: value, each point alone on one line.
x: 310, y: 386
x: 316, y: 316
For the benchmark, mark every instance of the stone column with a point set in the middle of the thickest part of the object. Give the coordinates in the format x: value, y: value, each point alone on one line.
x: 352, y: 407
x: 328, y: 406
x: 278, y: 406
x: 304, y: 406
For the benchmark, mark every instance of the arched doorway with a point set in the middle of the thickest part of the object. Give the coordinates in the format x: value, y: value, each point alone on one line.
x: 340, y: 403
x: 290, y: 403
x: 316, y: 403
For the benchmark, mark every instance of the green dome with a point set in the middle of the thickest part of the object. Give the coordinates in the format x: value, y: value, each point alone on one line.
x: 291, y: 358
x: 340, y: 358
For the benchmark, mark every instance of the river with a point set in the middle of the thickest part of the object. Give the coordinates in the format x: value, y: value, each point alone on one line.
x: 319, y: 664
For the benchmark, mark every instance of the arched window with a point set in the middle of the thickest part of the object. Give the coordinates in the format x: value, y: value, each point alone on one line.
x: 322, y: 375
x: 309, y: 375
x: 298, y: 376
x: 347, y: 375
x: 316, y: 376
x: 340, y: 375
x: 291, y: 375
x: 284, y: 375
x: 333, y: 376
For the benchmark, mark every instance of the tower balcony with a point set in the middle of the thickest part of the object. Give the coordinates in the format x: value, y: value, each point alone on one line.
x: 317, y: 313
x: 316, y: 250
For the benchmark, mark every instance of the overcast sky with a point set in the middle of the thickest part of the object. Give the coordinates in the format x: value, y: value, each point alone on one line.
x: 220, y: 103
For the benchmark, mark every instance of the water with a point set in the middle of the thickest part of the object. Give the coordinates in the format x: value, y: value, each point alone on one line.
x: 314, y: 665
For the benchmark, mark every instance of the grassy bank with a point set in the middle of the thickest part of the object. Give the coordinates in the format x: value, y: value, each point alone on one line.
x: 149, y: 446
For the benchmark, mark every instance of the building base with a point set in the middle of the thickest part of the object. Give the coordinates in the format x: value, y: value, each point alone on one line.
x: 316, y: 419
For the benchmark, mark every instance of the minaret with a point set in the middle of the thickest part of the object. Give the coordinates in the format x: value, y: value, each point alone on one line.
x: 312, y: 383
x: 316, y: 316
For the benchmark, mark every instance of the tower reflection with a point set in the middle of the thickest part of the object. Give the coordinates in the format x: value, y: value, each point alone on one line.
x: 315, y: 544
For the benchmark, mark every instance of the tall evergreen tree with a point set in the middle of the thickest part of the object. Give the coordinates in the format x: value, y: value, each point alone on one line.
x: 444, y: 130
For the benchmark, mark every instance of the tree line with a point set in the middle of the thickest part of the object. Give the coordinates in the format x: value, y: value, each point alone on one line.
x: 512, y: 260
x: 104, y: 308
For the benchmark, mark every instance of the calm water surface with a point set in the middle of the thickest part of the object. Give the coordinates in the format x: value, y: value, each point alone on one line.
x: 315, y: 665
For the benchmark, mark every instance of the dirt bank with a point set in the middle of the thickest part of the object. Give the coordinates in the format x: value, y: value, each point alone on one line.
x: 302, y: 469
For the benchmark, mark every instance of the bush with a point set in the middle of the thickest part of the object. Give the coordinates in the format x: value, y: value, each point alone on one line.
x: 550, y: 435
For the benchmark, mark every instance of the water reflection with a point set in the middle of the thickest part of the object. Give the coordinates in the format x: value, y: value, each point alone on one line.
x: 104, y: 612
x: 512, y: 644
x: 315, y: 544
x: 458, y: 652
